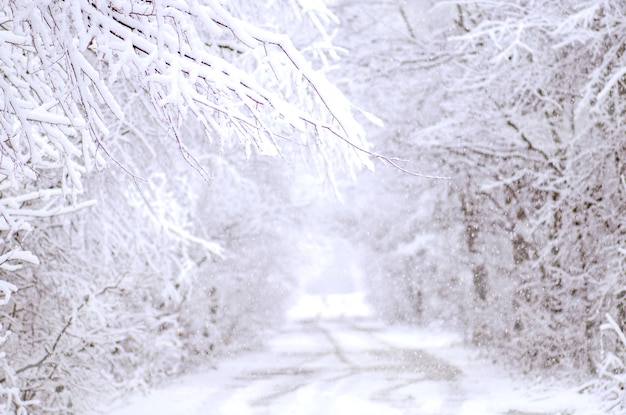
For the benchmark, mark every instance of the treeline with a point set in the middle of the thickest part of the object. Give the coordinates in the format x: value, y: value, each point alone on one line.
x: 145, y: 226
x: 522, y: 106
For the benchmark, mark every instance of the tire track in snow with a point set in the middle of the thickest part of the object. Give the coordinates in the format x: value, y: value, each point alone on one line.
x: 337, y: 367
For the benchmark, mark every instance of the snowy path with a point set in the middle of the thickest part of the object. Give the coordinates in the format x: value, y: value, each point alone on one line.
x: 359, y: 366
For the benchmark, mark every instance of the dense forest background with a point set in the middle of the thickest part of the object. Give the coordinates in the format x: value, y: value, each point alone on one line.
x: 163, y: 165
x: 521, y: 105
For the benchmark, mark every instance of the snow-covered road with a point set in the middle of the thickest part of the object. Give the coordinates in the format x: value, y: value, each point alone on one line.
x: 357, y: 365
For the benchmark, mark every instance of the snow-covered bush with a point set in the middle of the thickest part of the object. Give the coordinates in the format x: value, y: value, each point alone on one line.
x: 99, y: 310
x: 242, y: 292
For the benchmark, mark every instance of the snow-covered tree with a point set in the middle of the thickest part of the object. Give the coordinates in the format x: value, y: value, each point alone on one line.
x: 545, y: 80
x: 521, y: 105
x: 158, y: 95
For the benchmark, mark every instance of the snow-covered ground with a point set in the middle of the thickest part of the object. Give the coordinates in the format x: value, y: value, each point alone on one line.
x: 333, y: 357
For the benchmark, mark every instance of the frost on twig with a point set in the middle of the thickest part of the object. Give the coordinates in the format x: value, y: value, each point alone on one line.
x: 193, y: 62
x: 199, y: 61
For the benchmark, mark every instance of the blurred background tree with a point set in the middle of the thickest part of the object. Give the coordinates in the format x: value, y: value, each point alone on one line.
x: 520, y: 104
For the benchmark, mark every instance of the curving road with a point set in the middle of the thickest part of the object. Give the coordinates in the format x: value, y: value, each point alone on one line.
x: 349, y: 366
x: 359, y: 366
